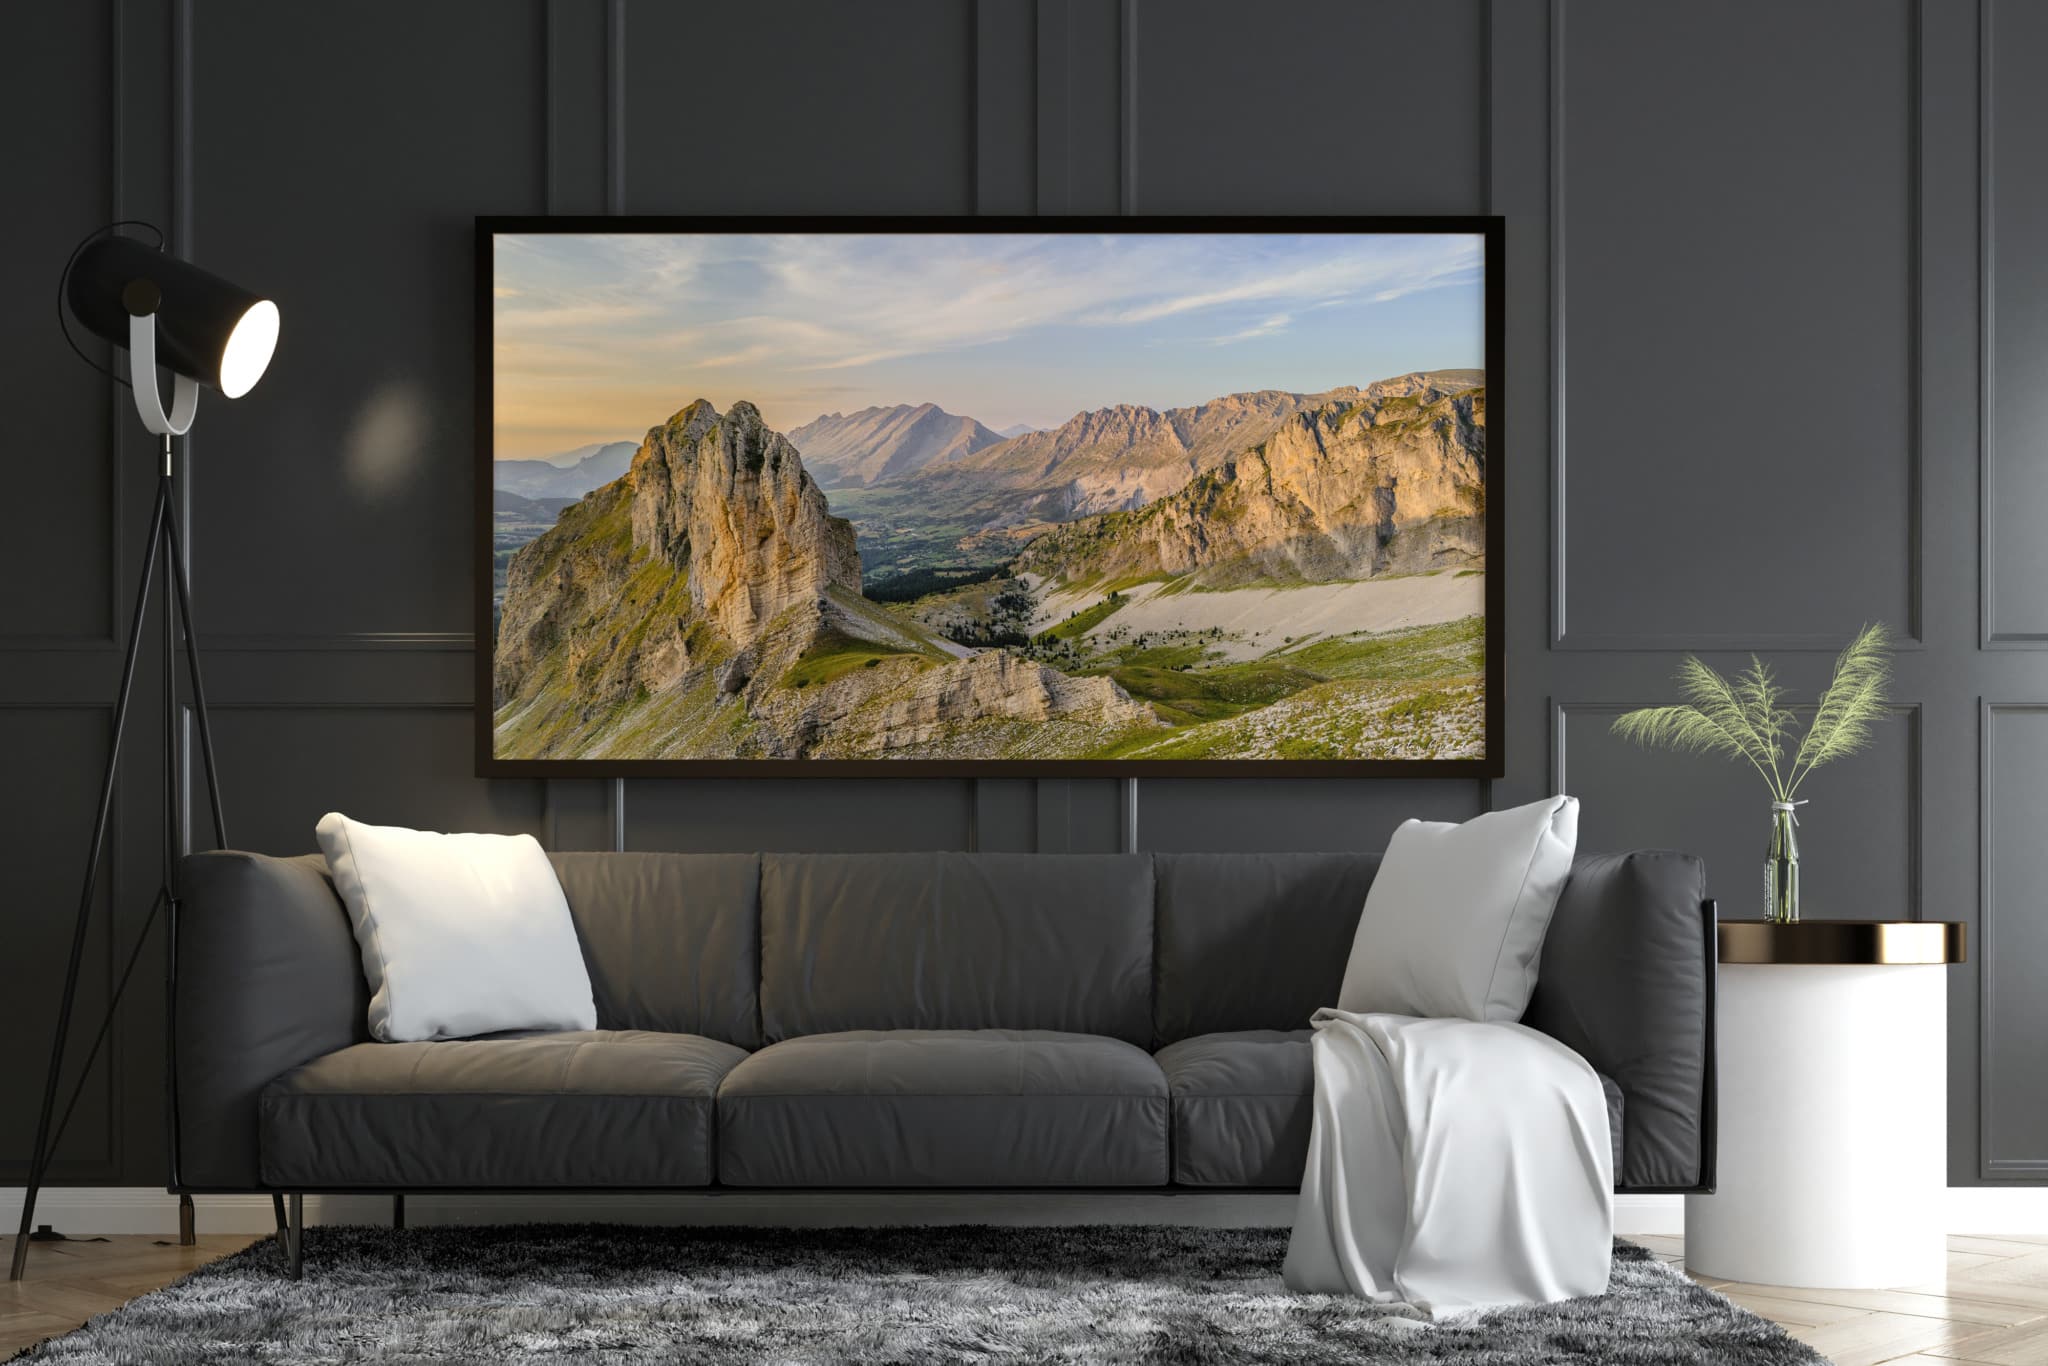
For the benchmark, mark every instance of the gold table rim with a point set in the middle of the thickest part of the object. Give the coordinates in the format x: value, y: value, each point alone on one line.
x: 1848, y: 943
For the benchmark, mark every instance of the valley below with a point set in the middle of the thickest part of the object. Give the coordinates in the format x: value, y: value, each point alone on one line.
x: 1266, y: 576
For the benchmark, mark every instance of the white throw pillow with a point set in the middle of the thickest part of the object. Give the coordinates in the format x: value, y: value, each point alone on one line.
x: 1455, y: 919
x: 460, y: 934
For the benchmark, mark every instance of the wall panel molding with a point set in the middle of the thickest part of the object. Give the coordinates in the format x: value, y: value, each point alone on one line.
x: 1486, y: 100
x: 1005, y: 106
x: 1054, y: 107
x: 116, y: 397
x: 104, y: 965
x: 1127, y: 106
x: 1560, y: 509
x: 101, y: 201
x: 391, y: 409
x: 366, y: 642
x: 575, y: 71
x: 489, y: 804
x: 615, y: 106
x: 1085, y: 118
x: 1562, y: 636
x: 1991, y: 1164
x: 1991, y: 635
x: 183, y: 175
x: 1053, y: 829
x: 1988, y: 635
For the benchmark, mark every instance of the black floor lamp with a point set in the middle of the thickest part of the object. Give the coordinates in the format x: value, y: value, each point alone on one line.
x: 205, y: 331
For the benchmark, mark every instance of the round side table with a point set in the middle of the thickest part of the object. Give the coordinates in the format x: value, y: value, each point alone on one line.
x: 1832, y: 1048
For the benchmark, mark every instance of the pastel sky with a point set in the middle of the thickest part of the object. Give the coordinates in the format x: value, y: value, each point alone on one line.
x: 599, y: 337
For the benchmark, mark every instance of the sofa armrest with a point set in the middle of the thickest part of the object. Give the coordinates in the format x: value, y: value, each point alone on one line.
x: 268, y: 977
x: 1627, y: 980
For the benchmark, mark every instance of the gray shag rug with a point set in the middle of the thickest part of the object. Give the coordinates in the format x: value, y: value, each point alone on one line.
x: 901, y: 1295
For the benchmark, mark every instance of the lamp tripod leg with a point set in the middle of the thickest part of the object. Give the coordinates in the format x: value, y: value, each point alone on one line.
x: 178, y: 592
x: 179, y: 574
x: 39, y: 1155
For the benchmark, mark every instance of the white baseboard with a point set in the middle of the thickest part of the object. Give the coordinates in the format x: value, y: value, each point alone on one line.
x: 89, y: 1210
x: 1635, y: 1214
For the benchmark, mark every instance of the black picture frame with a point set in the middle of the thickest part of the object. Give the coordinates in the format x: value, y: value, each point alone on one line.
x: 1491, y: 228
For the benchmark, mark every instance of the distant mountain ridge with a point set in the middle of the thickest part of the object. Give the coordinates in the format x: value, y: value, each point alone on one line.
x: 569, y: 475
x: 1352, y: 488
x: 873, y: 444
x: 1124, y: 457
x: 569, y: 460
x: 541, y: 510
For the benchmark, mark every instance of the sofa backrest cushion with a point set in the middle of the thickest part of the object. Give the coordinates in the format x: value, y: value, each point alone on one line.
x: 1626, y: 980
x: 672, y: 941
x: 1253, y: 941
x: 268, y: 978
x: 956, y: 941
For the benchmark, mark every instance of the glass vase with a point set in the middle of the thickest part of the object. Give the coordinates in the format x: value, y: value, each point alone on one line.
x: 1781, y: 867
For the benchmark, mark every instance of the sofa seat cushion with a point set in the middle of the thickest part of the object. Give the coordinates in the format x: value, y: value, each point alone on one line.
x: 1243, y: 1106
x: 585, y: 1108
x: 938, y: 1108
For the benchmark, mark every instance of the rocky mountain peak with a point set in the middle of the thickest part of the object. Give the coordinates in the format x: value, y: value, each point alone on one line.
x: 1127, y: 420
x: 694, y: 419
x: 863, y: 447
x: 726, y: 502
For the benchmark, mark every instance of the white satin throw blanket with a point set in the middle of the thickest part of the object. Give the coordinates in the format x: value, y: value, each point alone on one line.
x: 1453, y: 1166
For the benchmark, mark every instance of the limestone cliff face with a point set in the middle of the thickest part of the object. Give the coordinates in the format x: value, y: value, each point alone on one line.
x: 986, y: 705
x: 1356, y: 487
x: 727, y: 502
x: 713, y: 531
x: 1125, y: 457
x: 560, y: 580
x: 997, y: 685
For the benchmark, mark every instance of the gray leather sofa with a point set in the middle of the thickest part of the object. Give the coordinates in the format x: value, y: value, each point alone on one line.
x: 887, y: 1021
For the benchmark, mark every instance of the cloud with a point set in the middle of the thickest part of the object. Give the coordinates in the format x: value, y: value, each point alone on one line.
x: 630, y: 316
x: 1277, y: 323
x: 556, y: 317
x: 1381, y: 271
x: 844, y: 301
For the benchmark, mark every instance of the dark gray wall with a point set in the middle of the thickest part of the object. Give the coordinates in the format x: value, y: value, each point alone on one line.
x: 1770, y: 377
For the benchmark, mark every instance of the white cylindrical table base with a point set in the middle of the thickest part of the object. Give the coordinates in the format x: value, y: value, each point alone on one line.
x: 1833, y: 1127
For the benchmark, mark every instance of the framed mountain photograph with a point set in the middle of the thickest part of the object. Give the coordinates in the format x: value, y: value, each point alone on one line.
x: 1028, y: 496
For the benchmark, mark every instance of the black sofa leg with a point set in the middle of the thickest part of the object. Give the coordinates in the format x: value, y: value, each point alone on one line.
x: 398, y: 1211
x: 291, y: 1231
x: 188, y: 1224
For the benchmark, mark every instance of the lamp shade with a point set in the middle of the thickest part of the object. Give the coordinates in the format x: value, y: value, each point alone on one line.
x: 207, y: 329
